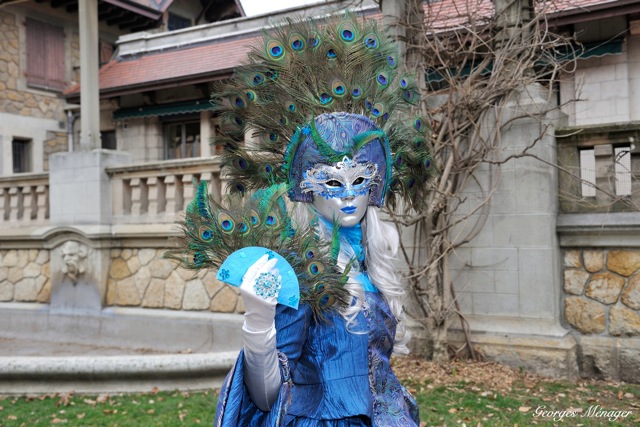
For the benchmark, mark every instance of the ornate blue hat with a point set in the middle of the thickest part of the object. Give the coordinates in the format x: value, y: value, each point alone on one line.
x: 328, y: 139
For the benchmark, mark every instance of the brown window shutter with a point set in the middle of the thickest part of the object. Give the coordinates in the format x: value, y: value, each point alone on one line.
x: 55, y: 58
x: 36, y: 53
x: 45, y: 55
x: 106, y: 51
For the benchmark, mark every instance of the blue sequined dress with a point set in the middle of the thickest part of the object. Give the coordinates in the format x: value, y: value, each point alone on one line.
x: 332, y: 376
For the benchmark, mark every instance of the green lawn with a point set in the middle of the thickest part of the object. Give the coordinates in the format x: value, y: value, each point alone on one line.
x: 458, y: 394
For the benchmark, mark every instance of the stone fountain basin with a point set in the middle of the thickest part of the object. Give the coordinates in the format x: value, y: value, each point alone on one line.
x: 113, y: 350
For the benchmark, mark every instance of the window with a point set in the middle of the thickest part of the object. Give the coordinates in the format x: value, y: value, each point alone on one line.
x: 21, y: 152
x: 182, y: 140
x: 105, y: 52
x: 108, y: 140
x: 177, y: 22
x: 588, y: 172
x: 622, y: 169
x: 45, y: 55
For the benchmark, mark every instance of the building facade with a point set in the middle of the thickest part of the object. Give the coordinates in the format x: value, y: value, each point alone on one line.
x: 550, y: 283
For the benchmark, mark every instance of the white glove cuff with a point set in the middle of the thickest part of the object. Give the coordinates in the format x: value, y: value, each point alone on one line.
x: 262, y: 369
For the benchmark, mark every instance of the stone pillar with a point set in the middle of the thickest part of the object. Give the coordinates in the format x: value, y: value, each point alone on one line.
x: 6, y: 161
x: 633, y: 70
x: 89, y: 83
x: 508, y: 278
x: 80, y: 190
x: 205, y: 134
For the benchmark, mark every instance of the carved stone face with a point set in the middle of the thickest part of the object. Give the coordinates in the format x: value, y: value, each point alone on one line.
x: 74, y: 256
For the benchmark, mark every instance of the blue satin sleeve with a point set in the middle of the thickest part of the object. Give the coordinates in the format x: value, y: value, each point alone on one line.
x: 292, y: 327
x: 235, y: 407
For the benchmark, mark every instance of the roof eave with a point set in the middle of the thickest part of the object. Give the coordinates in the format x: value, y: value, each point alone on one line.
x: 109, y: 93
x: 593, y: 12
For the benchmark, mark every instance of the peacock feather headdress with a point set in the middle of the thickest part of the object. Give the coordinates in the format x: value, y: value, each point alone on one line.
x: 313, y: 93
x: 302, y: 75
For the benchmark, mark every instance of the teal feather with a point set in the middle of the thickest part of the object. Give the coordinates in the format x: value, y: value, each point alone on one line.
x: 335, y: 242
x: 212, y: 230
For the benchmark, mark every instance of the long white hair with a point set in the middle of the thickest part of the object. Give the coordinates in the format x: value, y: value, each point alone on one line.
x: 381, y: 242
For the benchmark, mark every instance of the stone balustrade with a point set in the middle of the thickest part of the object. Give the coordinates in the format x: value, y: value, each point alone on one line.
x: 24, y: 199
x: 599, y: 168
x: 157, y: 192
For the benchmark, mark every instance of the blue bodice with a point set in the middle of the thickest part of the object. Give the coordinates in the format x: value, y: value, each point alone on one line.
x: 336, y: 373
x: 339, y: 373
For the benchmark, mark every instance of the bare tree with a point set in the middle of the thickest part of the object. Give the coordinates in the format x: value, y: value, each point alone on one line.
x: 479, y: 60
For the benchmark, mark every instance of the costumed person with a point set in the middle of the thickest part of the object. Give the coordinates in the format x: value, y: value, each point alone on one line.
x: 328, y: 108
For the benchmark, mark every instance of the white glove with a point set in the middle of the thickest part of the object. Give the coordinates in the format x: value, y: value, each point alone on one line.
x: 259, y: 290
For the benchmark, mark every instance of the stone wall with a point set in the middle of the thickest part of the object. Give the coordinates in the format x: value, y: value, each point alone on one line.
x: 137, y: 277
x: 25, y: 275
x: 141, y: 277
x: 56, y: 142
x: 602, y: 291
x: 12, y: 99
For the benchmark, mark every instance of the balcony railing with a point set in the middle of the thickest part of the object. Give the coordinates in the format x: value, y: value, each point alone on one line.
x: 24, y: 199
x: 156, y: 192
x: 600, y: 168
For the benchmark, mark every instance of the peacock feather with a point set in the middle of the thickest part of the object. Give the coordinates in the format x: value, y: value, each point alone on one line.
x: 211, y: 231
x: 304, y: 68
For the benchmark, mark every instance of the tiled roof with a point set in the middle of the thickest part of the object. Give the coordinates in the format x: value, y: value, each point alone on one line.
x: 221, y: 56
x: 451, y: 13
x: 172, y: 66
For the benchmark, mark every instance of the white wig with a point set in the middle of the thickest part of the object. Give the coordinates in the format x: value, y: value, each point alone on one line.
x: 381, y: 242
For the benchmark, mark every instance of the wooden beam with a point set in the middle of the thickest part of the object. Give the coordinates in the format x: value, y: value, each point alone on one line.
x: 59, y: 3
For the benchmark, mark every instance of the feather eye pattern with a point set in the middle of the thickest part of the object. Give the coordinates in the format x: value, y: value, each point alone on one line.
x: 211, y: 231
x: 304, y: 68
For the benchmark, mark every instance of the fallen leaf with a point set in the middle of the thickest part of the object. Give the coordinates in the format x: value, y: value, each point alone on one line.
x: 102, y: 398
x: 151, y: 411
x: 90, y: 402
x: 629, y: 395
x: 524, y: 408
x: 58, y: 421
x: 81, y: 416
x: 12, y: 417
x: 453, y: 410
x: 65, y: 398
